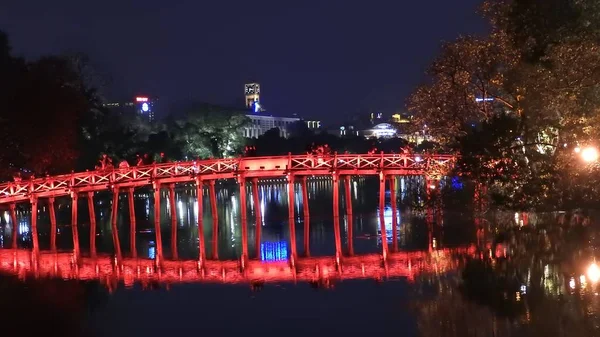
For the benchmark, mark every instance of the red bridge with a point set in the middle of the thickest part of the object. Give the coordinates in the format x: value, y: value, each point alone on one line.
x: 386, y: 166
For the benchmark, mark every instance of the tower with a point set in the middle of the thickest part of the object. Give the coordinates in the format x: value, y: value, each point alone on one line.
x: 252, y: 92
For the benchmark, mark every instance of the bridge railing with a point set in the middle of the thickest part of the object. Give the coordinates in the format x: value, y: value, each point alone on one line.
x: 413, y: 163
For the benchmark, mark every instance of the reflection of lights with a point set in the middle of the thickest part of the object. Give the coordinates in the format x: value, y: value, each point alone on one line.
x: 593, y: 272
x: 6, y: 216
x: 524, y: 289
x: 273, y: 251
x: 152, y: 253
x: 577, y: 149
x: 582, y: 281
x: 589, y: 154
x: 432, y: 187
x: 572, y: 283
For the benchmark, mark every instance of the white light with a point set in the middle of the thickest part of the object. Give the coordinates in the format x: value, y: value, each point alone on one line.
x: 593, y: 273
x: 572, y: 283
x: 432, y: 187
x: 417, y: 159
x: 589, y: 154
x: 577, y: 149
x: 145, y: 107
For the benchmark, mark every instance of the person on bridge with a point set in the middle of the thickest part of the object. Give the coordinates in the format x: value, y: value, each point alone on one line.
x: 123, y: 164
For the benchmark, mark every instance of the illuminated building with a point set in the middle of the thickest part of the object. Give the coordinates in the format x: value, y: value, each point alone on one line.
x: 140, y: 105
x: 259, y: 122
x: 252, y: 93
x: 313, y: 124
x: 381, y: 130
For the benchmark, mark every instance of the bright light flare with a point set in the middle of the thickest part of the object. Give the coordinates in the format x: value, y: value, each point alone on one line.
x: 593, y: 272
x: 589, y: 154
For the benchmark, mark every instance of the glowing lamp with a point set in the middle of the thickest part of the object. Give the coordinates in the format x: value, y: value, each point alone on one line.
x: 593, y: 273
x: 145, y: 107
x: 589, y: 154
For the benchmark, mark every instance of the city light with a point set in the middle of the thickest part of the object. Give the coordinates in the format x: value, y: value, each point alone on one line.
x: 589, y: 154
x: 141, y: 99
x: 145, y: 107
x: 593, y: 272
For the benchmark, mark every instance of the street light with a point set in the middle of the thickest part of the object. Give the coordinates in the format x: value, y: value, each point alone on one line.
x: 589, y: 154
x: 593, y: 272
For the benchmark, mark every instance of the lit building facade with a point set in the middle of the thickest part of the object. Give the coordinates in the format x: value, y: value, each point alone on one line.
x: 259, y: 124
x: 252, y: 93
x: 141, y: 105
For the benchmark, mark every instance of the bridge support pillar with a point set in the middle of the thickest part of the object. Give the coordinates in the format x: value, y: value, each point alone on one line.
x: 336, y: 215
x: 200, y: 203
x: 157, y: 232
x: 394, y: 213
x: 92, y: 211
x: 132, y: 223
x: 52, y: 224
x: 384, y: 245
x: 291, y: 217
x: 258, y: 215
x: 114, y: 229
x: 34, y: 230
x: 215, y: 219
x: 15, y: 226
x: 349, y: 215
x: 242, y: 183
x: 173, y: 207
x: 74, y: 229
x: 306, y: 212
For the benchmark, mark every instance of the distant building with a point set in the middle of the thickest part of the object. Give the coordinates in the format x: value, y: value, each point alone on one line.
x: 252, y: 93
x: 144, y: 106
x: 261, y: 122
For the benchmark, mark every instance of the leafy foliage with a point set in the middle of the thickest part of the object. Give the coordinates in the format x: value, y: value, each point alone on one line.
x: 519, y: 100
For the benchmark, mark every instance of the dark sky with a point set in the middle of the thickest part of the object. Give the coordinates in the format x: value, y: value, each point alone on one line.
x: 322, y: 58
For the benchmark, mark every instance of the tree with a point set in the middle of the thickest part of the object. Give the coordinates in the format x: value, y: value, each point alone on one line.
x: 539, y: 66
x: 210, y: 131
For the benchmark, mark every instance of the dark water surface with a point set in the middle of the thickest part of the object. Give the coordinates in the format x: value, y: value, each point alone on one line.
x: 534, y: 273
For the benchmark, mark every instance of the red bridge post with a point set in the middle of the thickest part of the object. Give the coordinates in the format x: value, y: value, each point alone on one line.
x: 92, y: 211
x: 52, y: 224
x: 157, y: 232
x: 306, y: 219
x: 336, y: 215
x: 349, y: 215
x: 74, y: 230
x: 34, y: 230
x: 243, y: 218
x: 215, y: 219
x: 114, y: 227
x: 132, y: 222
x: 173, y: 207
x: 258, y: 216
x: 200, y: 203
x: 15, y: 226
x: 291, y: 217
x: 384, y: 245
x: 393, y: 201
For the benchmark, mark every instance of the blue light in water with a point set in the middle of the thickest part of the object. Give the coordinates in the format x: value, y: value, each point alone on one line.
x: 456, y: 183
x: 273, y: 251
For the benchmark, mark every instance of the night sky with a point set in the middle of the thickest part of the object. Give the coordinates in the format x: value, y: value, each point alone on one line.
x: 317, y: 58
